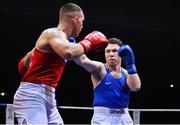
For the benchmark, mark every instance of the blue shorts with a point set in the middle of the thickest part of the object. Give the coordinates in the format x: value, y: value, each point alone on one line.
x: 36, y: 104
x: 106, y: 116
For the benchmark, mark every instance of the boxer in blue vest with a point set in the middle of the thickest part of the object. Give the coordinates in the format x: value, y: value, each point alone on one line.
x: 112, y: 83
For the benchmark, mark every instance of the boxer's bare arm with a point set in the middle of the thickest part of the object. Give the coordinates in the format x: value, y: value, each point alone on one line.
x: 97, y: 69
x: 65, y: 49
x: 56, y: 41
x: 89, y: 65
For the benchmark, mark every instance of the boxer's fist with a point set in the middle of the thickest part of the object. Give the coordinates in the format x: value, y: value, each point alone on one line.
x: 96, y: 41
x: 126, y: 53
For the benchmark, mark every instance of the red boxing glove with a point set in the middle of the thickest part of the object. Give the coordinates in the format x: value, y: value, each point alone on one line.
x: 21, y: 66
x: 96, y: 41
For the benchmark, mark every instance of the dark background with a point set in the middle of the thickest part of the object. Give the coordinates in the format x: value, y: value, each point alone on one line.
x: 150, y: 27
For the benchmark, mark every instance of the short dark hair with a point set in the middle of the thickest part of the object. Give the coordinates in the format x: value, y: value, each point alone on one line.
x: 69, y: 7
x: 115, y: 41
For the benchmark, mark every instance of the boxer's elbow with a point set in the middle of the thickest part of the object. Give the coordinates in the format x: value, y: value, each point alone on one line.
x: 136, y: 87
x: 68, y: 55
x: 71, y: 55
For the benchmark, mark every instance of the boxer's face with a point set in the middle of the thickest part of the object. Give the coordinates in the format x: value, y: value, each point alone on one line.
x: 78, y: 23
x: 111, y: 54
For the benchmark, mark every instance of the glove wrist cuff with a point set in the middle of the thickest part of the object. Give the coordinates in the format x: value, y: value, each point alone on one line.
x: 86, y: 45
x: 131, y: 69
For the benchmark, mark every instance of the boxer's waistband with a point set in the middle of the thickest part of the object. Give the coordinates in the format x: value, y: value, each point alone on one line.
x: 111, y: 111
x: 34, y: 85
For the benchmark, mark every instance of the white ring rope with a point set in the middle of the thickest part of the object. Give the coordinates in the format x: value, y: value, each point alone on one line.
x: 136, y: 112
x: 74, y: 107
x: 91, y: 108
x: 156, y: 110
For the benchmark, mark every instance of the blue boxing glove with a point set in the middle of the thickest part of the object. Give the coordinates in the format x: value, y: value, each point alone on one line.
x: 72, y: 40
x: 126, y: 53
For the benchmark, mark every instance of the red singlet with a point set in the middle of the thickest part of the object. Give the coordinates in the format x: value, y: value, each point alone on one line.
x: 45, y: 68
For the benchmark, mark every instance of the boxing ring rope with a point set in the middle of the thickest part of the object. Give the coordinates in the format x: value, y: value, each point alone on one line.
x: 136, y: 112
